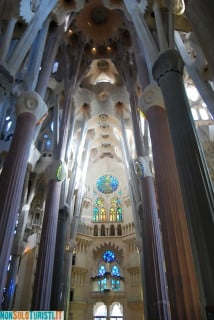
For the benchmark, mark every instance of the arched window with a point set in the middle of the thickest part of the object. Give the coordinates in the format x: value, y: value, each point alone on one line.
x: 100, y: 311
x: 102, y: 230
x: 102, y: 270
x: 112, y: 214
x: 108, y: 276
x: 102, y: 214
x: 119, y: 230
x: 115, y: 271
x: 112, y: 230
x: 115, y: 210
x: 116, y: 311
x: 99, y: 210
x: 96, y: 214
x: 95, y: 230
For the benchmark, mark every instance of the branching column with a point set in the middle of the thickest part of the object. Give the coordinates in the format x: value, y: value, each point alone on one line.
x: 181, y: 278
x: 30, y: 109
x: 197, y: 191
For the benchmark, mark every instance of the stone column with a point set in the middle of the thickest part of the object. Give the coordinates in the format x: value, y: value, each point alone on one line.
x: 196, y: 186
x: 180, y: 270
x: 156, y: 300
x: 200, y: 14
x: 30, y: 110
x: 56, y: 292
x: 44, y: 270
x: 156, y: 295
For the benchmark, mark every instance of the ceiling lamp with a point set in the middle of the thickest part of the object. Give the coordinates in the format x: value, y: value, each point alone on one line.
x: 97, y: 22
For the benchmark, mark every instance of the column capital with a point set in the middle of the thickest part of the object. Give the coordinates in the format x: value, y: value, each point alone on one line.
x: 57, y: 170
x: 142, y: 167
x: 168, y: 61
x: 31, y: 102
x: 52, y: 168
x: 152, y: 96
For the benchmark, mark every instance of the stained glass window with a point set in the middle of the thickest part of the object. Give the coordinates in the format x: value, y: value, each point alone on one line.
x: 99, y: 202
x: 99, y: 210
x: 115, y: 285
x: 102, y: 284
x: 107, y: 184
x: 102, y: 214
x: 115, y: 271
x: 108, y: 256
x: 115, y: 210
x: 96, y: 214
x: 102, y: 270
x: 115, y: 202
x: 119, y: 214
x: 112, y: 214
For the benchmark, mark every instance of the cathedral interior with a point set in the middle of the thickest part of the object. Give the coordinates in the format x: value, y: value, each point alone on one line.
x: 107, y: 158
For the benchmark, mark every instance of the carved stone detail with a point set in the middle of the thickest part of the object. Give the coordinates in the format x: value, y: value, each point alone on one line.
x: 177, y: 6
x: 31, y: 102
x: 152, y: 96
x: 168, y: 61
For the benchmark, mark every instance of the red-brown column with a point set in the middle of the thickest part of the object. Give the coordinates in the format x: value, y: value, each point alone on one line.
x: 181, y: 277
x: 156, y: 295
x: 30, y: 109
x: 196, y: 185
x: 44, y: 270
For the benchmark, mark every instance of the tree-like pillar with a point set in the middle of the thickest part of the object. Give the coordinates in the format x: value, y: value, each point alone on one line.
x: 30, y: 110
x: 157, y: 300
x: 196, y: 186
x: 180, y: 270
x: 44, y: 270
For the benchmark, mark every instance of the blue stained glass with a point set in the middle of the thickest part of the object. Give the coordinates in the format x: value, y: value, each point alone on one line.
x: 102, y: 270
x: 115, y: 271
x: 96, y: 214
x: 107, y: 184
x: 115, y: 285
x: 102, y: 284
x: 108, y: 256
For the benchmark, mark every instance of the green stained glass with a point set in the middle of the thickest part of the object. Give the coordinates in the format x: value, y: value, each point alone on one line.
x: 96, y: 214
x: 107, y: 184
x: 119, y: 214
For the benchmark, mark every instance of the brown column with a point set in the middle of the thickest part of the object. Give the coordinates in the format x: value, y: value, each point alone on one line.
x: 156, y: 298
x: 180, y: 269
x: 44, y: 270
x: 196, y: 186
x: 30, y: 109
